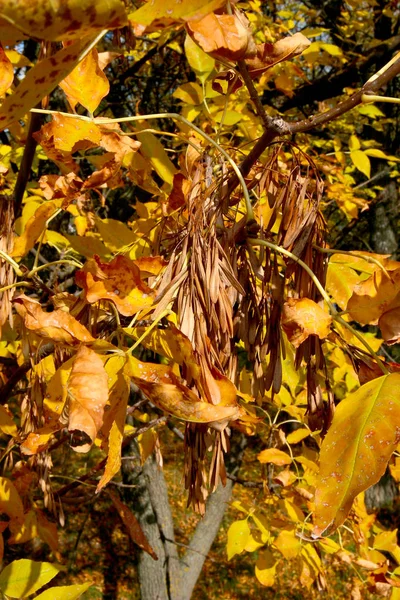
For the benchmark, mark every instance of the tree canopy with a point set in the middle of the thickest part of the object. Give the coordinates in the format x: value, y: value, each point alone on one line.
x: 198, y: 266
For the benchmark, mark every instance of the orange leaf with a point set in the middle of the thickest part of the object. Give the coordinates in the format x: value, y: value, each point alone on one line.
x: 389, y: 323
x: 372, y: 297
x: 354, y: 454
x: 6, y: 72
x: 269, y: 55
x: 39, y: 440
x: 274, y: 456
x: 88, y: 395
x: 163, y: 13
x: 118, y: 281
x: 304, y: 317
x: 167, y: 392
x: 132, y: 524
x: 33, y: 229
x: 56, y: 21
x: 86, y: 84
x: 224, y: 36
x: 58, y: 325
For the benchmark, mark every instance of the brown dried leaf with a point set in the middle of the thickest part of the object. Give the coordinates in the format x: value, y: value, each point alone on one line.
x: 223, y: 36
x: 304, y: 317
x: 88, y: 395
x: 269, y: 55
x: 132, y: 524
x: 58, y: 325
x: 118, y: 281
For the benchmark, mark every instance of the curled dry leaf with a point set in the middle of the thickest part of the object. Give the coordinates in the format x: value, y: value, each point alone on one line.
x: 88, y: 395
x: 168, y: 393
x: 118, y: 281
x: 223, y: 36
x: 269, y: 55
x: 304, y: 317
x: 67, y: 20
x: 132, y: 524
x: 356, y: 450
x: 58, y: 326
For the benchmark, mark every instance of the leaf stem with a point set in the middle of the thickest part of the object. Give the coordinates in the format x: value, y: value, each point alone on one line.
x: 369, y: 259
x: 12, y: 262
x: 76, y: 264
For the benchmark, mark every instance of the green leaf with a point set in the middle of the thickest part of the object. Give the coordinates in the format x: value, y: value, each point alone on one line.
x: 23, y: 577
x: 361, y: 162
x: 64, y: 592
x: 364, y: 433
x: 201, y: 63
x: 238, y: 537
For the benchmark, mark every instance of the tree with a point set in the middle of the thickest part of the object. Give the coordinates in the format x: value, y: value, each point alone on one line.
x: 205, y: 284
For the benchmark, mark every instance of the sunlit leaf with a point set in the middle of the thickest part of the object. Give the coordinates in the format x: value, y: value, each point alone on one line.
x: 269, y: 54
x: 153, y: 149
x: 132, y: 524
x: 118, y: 281
x: 10, y: 501
x: 86, y: 84
x: 361, y: 161
x: 166, y: 12
x: 88, y: 395
x: 6, y: 72
x: 58, y: 325
x: 40, y: 81
x: 238, y: 537
x: 23, y: 577
x: 354, y: 454
x: 65, y: 592
x: 119, y: 394
x: 304, y: 317
x: 373, y: 297
x: 48, y: 20
x: 68, y: 135
x: 274, y: 456
x: 7, y: 424
x: 33, y: 229
x: 288, y: 544
x: 201, y: 63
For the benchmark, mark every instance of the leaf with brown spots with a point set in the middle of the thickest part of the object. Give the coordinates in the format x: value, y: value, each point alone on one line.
x: 6, y: 72
x: 132, y: 524
x: 33, y: 230
x: 269, y: 55
x: 58, y: 326
x: 304, y: 317
x: 356, y: 450
x: 40, y: 81
x: 118, y: 281
x: 88, y: 395
x: 154, y: 15
x: 66, y: 20
x: 86, y: 84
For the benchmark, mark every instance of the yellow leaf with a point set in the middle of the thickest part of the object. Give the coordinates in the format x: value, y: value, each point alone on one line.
x: 56, y: 21
x: 6, y: 72
x: 33, y: 229
x: 118, y: 399
x: 86, y: 84
x: 340, y: 283
x: 376, y: 153
x: 297, y: 436
x: 7, y: 424
x: 23, y: 577
x: 40, y: 81
x: 266, y: 568
x: 274, y: 456
x: 288, y: 544
x: 153, y: 149
x: 238, y: 537
x: 23, y: 531
x: 355, y: 452
x: 332, y: 49
x: 64, y: 592
x: 168, y: 11
x: 10, y: 501
x: 114, y: 234
x: 354, y: 143
x: 201, y: 63
x: 361, y: 162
